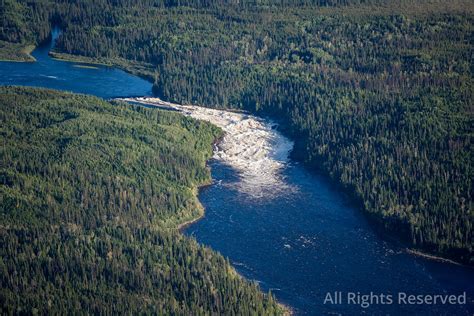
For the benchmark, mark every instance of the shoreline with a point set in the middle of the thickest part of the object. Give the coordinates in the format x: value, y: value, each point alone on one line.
x: 26, y: 58
x: 120, y: 64
x: 202, y: 211
x: 188, y: 223
x: 76, y: 59
x: 428, y: 256
x: 85, y: 66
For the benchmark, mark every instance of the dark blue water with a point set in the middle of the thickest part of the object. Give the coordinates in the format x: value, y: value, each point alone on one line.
x: 300, y: 245
x: 310, y: 242
x: 103, y: 81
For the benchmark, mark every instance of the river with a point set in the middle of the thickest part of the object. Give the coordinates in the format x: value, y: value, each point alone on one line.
x: 102, y: 81
x: 280, y: 225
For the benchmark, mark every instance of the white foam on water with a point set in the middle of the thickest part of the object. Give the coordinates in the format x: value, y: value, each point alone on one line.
x: 250, y: 145
x: 50, y: 77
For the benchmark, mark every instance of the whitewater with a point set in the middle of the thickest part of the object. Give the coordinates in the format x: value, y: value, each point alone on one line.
x: 251, y: 145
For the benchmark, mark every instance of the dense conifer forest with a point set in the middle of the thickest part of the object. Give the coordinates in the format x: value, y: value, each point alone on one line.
x: 376, y: 94
x: 91, y: 194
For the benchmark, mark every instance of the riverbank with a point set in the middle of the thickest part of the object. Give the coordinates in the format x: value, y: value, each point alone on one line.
x: 14, y: 52
x: 142, y: 70
x: 86, y: 66
x: 285, y: 309
x: 200, y: 207
x: 428, y: 256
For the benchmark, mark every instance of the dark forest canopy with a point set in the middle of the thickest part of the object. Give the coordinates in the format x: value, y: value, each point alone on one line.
x: 90, y: 197
x: 377, y: 94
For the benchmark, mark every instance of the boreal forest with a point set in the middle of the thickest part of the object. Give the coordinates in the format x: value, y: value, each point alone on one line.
x: 376, y: 94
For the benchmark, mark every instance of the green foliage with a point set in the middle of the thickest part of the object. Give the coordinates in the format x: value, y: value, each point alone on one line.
x: 13, y: 21
x: 15, y: 52
x: 22, y: 22
x: 377, y: 94
x: 91, y: 194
